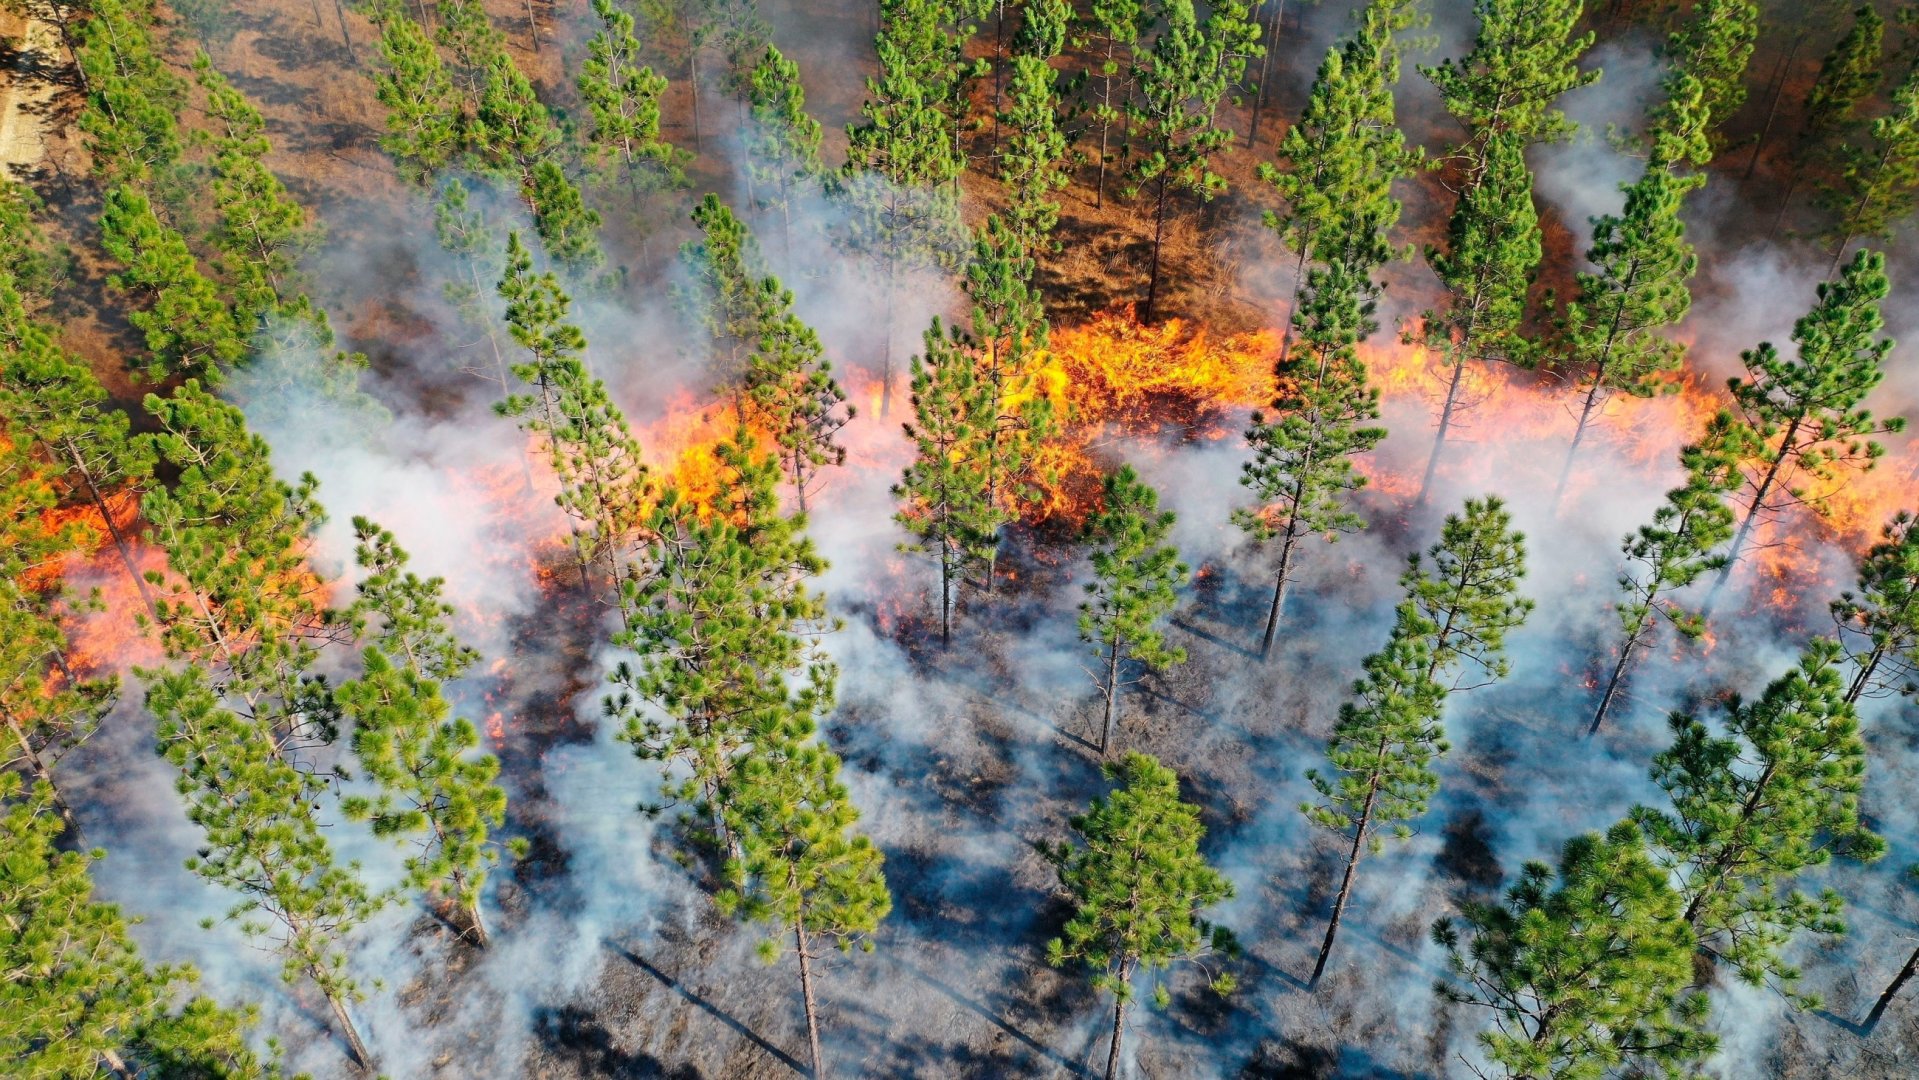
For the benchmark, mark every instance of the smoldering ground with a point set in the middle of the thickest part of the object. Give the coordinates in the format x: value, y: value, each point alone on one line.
x: 610, y: 959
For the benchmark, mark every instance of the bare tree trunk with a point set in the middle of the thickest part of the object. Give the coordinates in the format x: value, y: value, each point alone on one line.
x: 1280, y: 578
x: 693, y: 84
x: 1112, y: 694
x: 1159, y: 235
x: 1105, y: 122
x: 1772, y: 110
x: 119, y: 538
x: 362, y: 1060
x: 1346, y: 881
x: 1864, y: 679
x: 806, y: 994
x: 1613, y: 684
x: 1752, y: 514
x: 1445, y: 424
x: 476, y: 925
x: 346, y: 36
x: 1579, y: 436
x: 533, y: 28
x: 1265, y: 64
x: 1119, y: 1021
x: 1892, y: 991
x: 116, y: 1065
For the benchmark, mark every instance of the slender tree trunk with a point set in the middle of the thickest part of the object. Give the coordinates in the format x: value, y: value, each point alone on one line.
x: 362, y: 1060
x: 476, y: 925
x: 1299, y: 285
x: 1445, y: 424
x: 1159, y: 235
x: 1864, y: 679
x: 1280, y: 578
x: 1892, y: 991
x: 1265, y: 64
x: 346, y: 36
x: 806, y: 994
x: 693, y: 84
x: 116, y: 1065
x: 999, y: 68
x: 1579, y: 436
x: 95, y: 496
x: 40, y: 769
x: 1119, y: 1021
x: 1346, y: 880
x: 946, y: 593
x: 1105, y: 122
x: 1752, y: 514
x: 886, y: 353
x: 1614, y: 683
x: 1112, y: 693
x: 533, y: 29
x: 1772, y: 109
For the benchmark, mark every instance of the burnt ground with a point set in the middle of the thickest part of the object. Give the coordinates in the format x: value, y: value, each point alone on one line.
x: 962, y: 758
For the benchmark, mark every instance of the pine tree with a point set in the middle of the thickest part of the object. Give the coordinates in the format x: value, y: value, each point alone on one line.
x: 261, y: 232
x: 783, y: 144
x: 1381, y: 754
x: 1683, y: 542
x: 1015, y: 412
x: 1468, y: 589
x: 723, y: 628
x: 1525, y: 55
x: 1847, y: 76
x: 435, y: 794
x: 1637, y: 287
x: 1877, y: 184
x: 1714, y: 47
x: 466, y: 234
x: 188, y: 328
x: 903, y: 163
x: 603, y: 483
x: 1846, y: 80
x: 1233, y: 27
x: 726, y: 297
x: 1031, y: 165
x: 1114, y: 28
x: 1460, y: 602
x: 1180, y: 83
x: 1302, y: 468
x: 1137, y: 885
x: 1585, y: 975
x: 46, y: 710
x: 471, y: 39
x: 803, y: 870
x: 243, y: 714
x: 568, y: 228
x: 132, y: 97
x: 792, y: 389
x: 78, y: 1001
x: 1807, y: 412
x: 425, y: 129
x: 1345, y: 152
x: 1776, y: 795
x: 1880, y: 622
x: 1487, y: 270
x: 1136, y: 578
x: 53, y: 397
x: 943, y: 494
x: 623, y: 98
